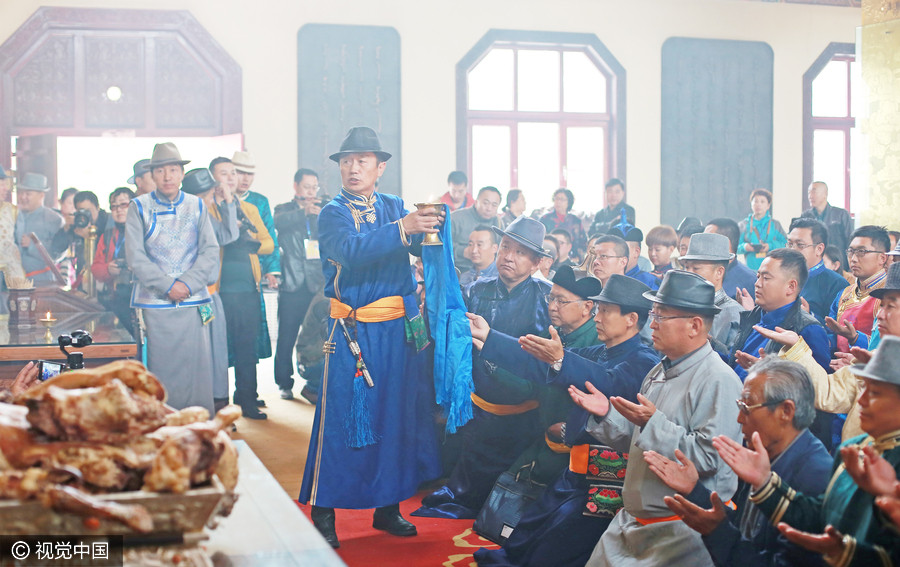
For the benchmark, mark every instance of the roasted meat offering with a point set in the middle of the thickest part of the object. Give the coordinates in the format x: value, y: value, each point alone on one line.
x: 109, y: 430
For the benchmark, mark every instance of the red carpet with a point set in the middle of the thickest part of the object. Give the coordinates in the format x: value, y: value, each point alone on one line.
x: 440, y: 543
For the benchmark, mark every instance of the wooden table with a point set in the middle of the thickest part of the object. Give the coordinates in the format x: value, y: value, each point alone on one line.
x: 266, y: 527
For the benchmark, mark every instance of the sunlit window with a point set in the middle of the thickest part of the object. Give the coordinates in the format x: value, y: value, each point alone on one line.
x: 542, y: 116
x: 829, y: 123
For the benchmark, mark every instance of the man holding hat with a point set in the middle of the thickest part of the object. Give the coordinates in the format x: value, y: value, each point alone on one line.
x: 142, y: 179
x: 173, y: 253
x: 35, y: 218
x: 684, y: 401
x: 505, y: 418
x: 372, y: 441
x: 854, y: 534
x: 708, y: 256
x: 563, y: 526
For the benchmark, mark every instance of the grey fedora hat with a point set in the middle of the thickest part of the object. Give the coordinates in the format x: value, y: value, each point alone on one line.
x: 896, y: 250
x: 360, y: 140
x: 709, y: 247
x: 140, y: 167
x: 687, y: 291
x: 625, y: 292
x: 33, y: 182
x: 166, y: 153
x: 527, y: 232
x: 891, y: 282
x: 884, y: 365
x: 197, y: 181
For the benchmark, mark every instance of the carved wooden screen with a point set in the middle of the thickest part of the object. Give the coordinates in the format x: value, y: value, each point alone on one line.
x: 716, y: 127
x: 82, y: 72
x: 347, y: 76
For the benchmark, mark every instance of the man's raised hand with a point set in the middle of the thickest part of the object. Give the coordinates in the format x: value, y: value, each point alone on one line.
x: 751, y: 465
x: 637, y: 413
x: 593, y: 400
x: 703, y: 521
x: 547, y: 350
x: 679, y: 476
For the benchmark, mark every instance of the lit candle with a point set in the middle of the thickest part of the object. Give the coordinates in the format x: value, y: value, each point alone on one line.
x: 48, y: 315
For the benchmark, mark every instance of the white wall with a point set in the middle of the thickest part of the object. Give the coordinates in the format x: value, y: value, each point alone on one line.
x: 262, y: 37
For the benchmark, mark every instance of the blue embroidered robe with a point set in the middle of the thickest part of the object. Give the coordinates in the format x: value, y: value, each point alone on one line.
x: 363, y: 263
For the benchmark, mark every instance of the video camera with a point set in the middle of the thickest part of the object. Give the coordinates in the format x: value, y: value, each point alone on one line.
x: 77, y: 339
x: 83, y: 218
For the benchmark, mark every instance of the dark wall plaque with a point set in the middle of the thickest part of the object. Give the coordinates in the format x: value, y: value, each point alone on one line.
x: 716, y: 127
x: 347, y: 76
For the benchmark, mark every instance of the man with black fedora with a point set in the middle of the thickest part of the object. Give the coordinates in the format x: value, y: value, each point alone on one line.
x: 35, y: 218
x: 708, y: 256
x: 373, y: 438
x: 843, y: 524
x: 571, y: 311
x: 141, y: 177
x: 505, y: 414
x: 563, y: 526
x: 684, y: 401
x: 172, y: 250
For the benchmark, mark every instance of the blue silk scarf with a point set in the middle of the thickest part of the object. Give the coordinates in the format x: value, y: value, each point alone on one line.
x: 450, y: 332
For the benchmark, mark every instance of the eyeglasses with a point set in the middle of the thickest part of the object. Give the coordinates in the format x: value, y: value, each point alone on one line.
x: 653, y: 316
x: 604, y: 257
x: 119, y: 207
x: 851, y: 252
x: 745, y: 409
x: 551, y: 299
x: 798, y: 245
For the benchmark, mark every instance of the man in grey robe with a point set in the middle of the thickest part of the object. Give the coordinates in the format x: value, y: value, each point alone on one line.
x: 172, y: 251
x: 685, y: 401
x: 708, y: 256
x: 35, y: 218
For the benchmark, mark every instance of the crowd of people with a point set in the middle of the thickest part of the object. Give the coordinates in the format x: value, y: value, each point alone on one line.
x: 687, y: 407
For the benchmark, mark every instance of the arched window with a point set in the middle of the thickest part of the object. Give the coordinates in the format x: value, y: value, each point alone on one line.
x: 829, y: 126
x: 540, y: 111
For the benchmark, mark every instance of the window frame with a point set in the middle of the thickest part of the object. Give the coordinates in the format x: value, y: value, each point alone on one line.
x: 613, y: 120
x: 834, y: 51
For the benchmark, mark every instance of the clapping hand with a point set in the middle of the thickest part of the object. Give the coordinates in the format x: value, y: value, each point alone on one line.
x: 745, y: 299
x: 779, y: 335
x: 869, y: 470
x: 751, y: 465
x: 696, y: 518
x: 890, y: 505
x: 845, y: 329
x: 861, y: 355
x: 637, y: 413
x: 593, y: 401
x: 840, y: 360
x: 747, y: 360
x: 679, y: 477
x: 830, y: 544
x: 547, y: 350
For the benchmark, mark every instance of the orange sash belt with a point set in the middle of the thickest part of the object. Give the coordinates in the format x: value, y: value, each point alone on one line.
x: 380, y: 310
x: 578, y: 459
x: 648, y: 521
x: 498, y: 409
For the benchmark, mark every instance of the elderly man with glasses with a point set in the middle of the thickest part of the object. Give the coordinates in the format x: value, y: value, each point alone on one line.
x: 684, y: 401
x: 776, y: 409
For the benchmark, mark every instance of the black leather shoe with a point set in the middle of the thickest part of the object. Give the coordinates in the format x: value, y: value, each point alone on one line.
x: 260, y: 403
x: 388, y: 518
x: 323, y: 519
x: 252, y: 412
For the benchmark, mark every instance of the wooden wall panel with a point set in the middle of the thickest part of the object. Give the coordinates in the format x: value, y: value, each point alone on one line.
x: 716, y: 139
x: 347, y: 76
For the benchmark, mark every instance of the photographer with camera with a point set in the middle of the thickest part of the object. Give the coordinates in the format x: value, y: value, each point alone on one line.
x: 87, y: 214
x: 297, y: 223
x: 110, y: 267
x: 239, y: 291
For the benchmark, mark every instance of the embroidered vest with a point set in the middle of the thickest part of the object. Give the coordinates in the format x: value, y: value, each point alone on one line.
x: 859, y: 308
x: 171, y: 235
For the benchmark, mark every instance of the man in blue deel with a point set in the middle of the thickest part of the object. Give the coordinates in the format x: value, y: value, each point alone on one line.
x: 373, y: 439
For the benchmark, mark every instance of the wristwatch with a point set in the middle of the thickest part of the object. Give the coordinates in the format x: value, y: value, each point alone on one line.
x: 557, y: 365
